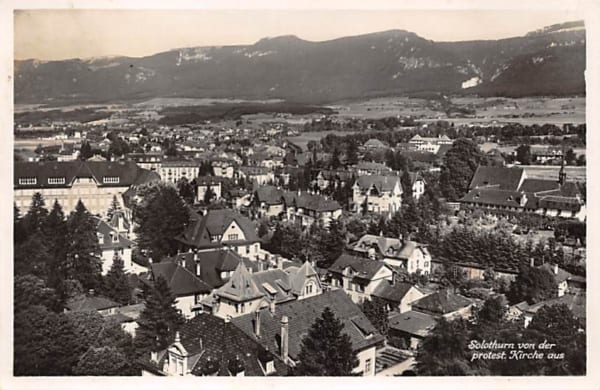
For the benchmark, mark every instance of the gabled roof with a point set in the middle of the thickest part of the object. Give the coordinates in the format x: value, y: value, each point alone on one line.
x: 298, y: 277
x: 441, y: 302
x: 309, y: 201
x: 560, y: 276
x: 394, y: 292
x: 200, y: 229
x: 383, y: 183
x: 274, y: 285
x: 413, y: 323
x: 108, y: 232
x: 301, y: 316
x: 575, y: 303
x: 271, y: 195
x: 240, y: 287
x: 363, y: 268
x: 210, y: 341
x: 493, y: 196
x: 503, y: 178
x: 182, y: 281
x: 387, y: 247
x: 372, y: 166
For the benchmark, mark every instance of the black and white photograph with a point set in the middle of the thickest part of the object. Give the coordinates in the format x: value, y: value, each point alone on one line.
x: 298, y: 192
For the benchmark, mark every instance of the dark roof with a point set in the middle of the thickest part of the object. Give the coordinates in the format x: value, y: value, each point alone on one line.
x: 392, y: 292
x: 309, y: 201
x: 364, y: 268
x: 336, y: 175
x: 200, y: 229
x: 539, y: 185
x: 181, y: 280
x: 108, y: 232
x: 209, y: 180
x: 503, y: 178
x: 443, y: 149
x: 380, y: 182
x: 209, y: 339
x: 493, y: 196
x: 441, y: 302
x: 269, y: 194
x: 575, y: 303
x: 240, y: 287
x: 274, y: 284
x: 301, y: 316
x: 90, y: 303
x: 413, y: 323
x: 127, y: 172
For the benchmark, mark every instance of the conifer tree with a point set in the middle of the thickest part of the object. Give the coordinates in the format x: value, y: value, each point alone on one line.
x: 114, y: 207
x: 83, y: 261
x: 36, y: 214
x: 160, y: 319
x: 326, y: 351
x: 116, y: 285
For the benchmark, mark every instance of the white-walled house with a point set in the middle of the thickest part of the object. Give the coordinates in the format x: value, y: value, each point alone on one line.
x: 379, y: 194
x: 113, y: 243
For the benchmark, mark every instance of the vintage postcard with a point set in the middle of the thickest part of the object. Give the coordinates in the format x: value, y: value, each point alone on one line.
x: 316, y: 191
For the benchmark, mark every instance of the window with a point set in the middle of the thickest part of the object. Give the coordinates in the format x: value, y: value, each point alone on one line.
x: 101, y: 238
x: 115, y: 237
x: 56, y: 180
x: 247, y: 249
x: 309, y: 288
x: 232, y: 237
x: 243, y: 307
x: 367, y: 365
x: 27, y: 180
x: 110, y: 179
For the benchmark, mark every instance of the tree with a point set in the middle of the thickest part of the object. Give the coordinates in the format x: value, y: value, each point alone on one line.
x: 524, y: 154
x: 83, y: 251
x: 443, y: 352
x: 86, y: 151
x: 30, y: 290
x: 377, y: 313
x: 460, y: 163
x: 493, y: 311
x: 36, y: 215
x: 116, y: 285
x: 32, y: 256
x: 570, y: 157
x: 186, y: 190
x: 209, y: 194
x: 161, y: 216
x: 160, y: 319
x: 326, y: 351
x: 335, y: 163
x: 104, y: 361
x: 113, y: 208
x: 330, y: 243
x: 352, y: 153
x: 532, y: 285
x: 19, y: 232
x: 406, y: 186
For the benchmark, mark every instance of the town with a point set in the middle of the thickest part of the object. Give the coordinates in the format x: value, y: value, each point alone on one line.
x: 230, y: 248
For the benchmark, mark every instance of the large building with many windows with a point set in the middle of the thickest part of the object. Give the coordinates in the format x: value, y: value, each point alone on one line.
x: 95, y: 183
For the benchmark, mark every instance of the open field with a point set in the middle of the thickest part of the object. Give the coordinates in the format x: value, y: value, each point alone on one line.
x: 533, y: 110
x: 303, y: 139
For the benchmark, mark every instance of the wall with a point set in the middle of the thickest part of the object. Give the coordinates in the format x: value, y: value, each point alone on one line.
x: 362, y: 357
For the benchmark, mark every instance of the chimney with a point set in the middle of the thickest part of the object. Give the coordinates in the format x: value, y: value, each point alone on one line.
x: 555, y: 269
x: 532, y: 262
x: 177, y: 337
x: 272, y: 306
x: 279, y: 262
x: 198, y: 269
x: 284, y: 338
x: 257, y: 323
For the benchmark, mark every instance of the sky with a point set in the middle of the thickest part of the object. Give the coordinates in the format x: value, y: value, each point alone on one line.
x: 61, y: 34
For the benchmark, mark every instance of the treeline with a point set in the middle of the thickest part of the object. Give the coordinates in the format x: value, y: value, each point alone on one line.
x: 82, y: 115
x: 196, y: 114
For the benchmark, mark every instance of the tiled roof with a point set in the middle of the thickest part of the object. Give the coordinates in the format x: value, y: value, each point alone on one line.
x: 382, y: 183
x: 493, y: 196
x: 392, y: 291
x: 575, y: 302
x: 560, y: 276
x: 127, y: 172
x: 539, y: 185
x: 372, y: 166
x: 106, y: 230
x: 269, y: 194
x: 198, y: 232
x: 363, y: 268
x: 503, y: 178
x: 441, y: 302
x: 182, y: 281
x: 210, y: 340
x: 90, y: 303
x: 309, y: 201
x: 274, y: 285
x: 413, y: 323
x: 375, y: 143
x: 301, y: 316
x: 240, y: 287
x: 336, y: 175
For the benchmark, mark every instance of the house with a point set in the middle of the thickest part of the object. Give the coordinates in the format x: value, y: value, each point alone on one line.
x: 375, y: 144
x: 429, y: 144
x: 305, y: 208
x: 397, y: 296
x: 127, y: 317
x: 406, y: 330
x: 112, y: 244
x: 185, y: 285
x: 406, y: 254
x: 377, y: 194
x: 91, y: 302
x: 95, y: 183
x: 268, y: 201
x: 172, y: 171
x: 215, y: 183
x: 283, y: 328
x: 223, y: 168
x: 544, y: 154
x: 150, y: 161
x: 209, y: 346
x: 444, y: 303
x: 334, y: 178
x: 494, y: 188
x: 218, y: 228
x: 372, y: 168
x: 359, y: 276
x: 575, y: 302
x: 259, y: 175
x: 565, y: 280
x: 417, y: 184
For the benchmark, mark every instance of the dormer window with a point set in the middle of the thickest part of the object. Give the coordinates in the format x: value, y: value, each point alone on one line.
x: 56, y: 180
x: 110, y: 179
x: 28, y: 180
x: 115, y: 237
x: 101, y: 238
